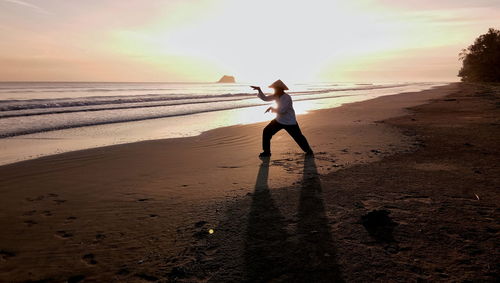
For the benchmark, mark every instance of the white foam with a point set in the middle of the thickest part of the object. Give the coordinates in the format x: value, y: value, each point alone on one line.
x: 130, y: 118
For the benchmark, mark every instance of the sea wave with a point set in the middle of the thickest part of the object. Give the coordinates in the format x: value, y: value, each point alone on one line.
x: 12, y: 105
x: 38, y: 114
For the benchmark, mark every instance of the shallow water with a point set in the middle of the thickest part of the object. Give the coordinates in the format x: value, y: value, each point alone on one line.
x: 38, y: 119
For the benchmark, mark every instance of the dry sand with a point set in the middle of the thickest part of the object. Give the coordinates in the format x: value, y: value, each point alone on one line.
x: 142, y: 212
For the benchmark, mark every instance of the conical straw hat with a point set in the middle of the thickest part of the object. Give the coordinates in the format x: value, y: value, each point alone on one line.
x: 279, y: 84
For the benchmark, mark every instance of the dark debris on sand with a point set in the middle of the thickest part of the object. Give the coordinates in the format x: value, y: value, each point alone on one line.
x: 379, y: 225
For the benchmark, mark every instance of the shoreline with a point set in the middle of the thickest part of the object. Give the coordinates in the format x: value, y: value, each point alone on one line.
x: 42, y: 150
x: 143, y: 210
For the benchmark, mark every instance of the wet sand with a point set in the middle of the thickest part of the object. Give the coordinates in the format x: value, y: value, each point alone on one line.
x: 142, y: 212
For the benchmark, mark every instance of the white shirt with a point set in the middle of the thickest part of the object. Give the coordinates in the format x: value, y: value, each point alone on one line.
x: 284, y: 113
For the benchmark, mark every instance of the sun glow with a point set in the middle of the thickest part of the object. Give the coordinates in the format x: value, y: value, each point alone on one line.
x: 256, y: 41
x: 262, y: 40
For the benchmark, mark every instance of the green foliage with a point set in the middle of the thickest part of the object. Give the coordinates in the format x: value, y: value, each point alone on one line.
x: 481, y: 60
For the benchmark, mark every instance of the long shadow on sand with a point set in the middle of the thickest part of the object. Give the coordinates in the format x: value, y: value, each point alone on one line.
x: 266, y: 238
x: 315, y: 251
x: 271, y: 253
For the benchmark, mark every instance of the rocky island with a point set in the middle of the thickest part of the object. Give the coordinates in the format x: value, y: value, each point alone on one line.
x: 227, y: 79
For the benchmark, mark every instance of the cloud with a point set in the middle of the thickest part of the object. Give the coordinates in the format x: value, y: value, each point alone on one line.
x: 441, y: 4
x: 29, y: 5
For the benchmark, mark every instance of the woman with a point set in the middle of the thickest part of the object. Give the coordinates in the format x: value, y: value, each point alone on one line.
x: 285, y: 119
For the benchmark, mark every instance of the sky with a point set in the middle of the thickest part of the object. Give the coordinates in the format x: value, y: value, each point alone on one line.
x: 257, y: 40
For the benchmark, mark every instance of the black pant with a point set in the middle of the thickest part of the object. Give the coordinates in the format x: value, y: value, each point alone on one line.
x: 293, y: 130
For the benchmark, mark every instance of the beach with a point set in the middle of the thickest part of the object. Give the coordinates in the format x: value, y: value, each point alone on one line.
x: 45, y: 118
x: 206, y: 208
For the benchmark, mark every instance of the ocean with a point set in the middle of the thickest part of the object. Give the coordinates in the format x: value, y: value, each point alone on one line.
x: 44, y: 118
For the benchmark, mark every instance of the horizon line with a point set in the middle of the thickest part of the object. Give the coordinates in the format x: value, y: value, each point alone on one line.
x: 215, y: 82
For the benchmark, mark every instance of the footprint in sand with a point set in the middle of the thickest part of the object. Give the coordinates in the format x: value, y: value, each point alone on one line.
x: 70, y: 219
x: 30, y: 222
x: 100, y: 236
x: 5, y: 255
x: 75, y: 279
x: 89, y: 259
x: 38, y: 198
x: 146, y: 277
x: 59, y: 201
x: 63, y: 234
x: 200, y: 224
x: 202, y: 231
x: 29, y: 213
x: 123, y: 271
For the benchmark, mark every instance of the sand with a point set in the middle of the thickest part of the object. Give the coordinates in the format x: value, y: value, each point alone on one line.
x: 144, y: 211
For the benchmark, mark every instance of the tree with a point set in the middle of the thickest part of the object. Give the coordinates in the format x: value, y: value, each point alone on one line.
x: 481, y: 60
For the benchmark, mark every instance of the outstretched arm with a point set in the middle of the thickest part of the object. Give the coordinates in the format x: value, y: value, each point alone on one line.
x: 262, y: 96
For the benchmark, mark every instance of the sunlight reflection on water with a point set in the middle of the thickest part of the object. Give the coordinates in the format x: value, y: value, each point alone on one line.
x: 46, y: 143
